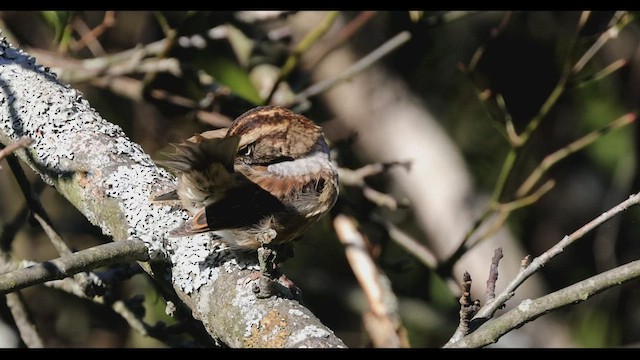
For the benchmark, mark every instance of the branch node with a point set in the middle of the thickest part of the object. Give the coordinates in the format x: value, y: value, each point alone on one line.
x: 493, y: 276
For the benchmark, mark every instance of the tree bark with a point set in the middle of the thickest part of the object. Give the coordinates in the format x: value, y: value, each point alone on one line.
x: 111, y: 180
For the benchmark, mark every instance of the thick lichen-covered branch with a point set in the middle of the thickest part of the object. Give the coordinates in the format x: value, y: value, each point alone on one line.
x: 111, y: 180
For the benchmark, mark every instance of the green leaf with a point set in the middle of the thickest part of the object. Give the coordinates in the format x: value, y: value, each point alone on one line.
x: 58, y: 20
x: 235, y: 77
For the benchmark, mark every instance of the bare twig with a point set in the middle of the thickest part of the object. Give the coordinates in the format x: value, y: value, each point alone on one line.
x: 30, y: 196
x: 493, y: 276
x: 529, y: 310
x: 120, y: 307
x: 386, y: 48
x: 93, y: 45
x: 498, y: 215
x: 26, y: 327
x: 90, y: 37
x: 468, y: 307
x: 489, y: 309
x: 522, y: 199
x: 90, y: 283
x: 317, y: 54
x: 356, y: 178
x: 512, y: 135
x: 67, y: 265
x: 411, y: 245
x: 495, y: 32
x: 24, y: 141
x: 532, y: 126
x: 601, y: 74
x: 572, y: 148
x: 73, y: 70
x: 620, y: 20
x: 171, y: 35
x: 518, y: 141
x: 383, y: 323
x: 448, y: 16
x: 311, y: 38
x: 525, y: 200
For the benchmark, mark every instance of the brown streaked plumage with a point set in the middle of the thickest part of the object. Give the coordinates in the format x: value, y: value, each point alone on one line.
x: 269, y: 174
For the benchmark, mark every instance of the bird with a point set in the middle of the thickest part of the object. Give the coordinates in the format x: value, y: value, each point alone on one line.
x: 258, y: 184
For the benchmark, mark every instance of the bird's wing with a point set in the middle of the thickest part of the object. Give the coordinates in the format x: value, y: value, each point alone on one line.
x: 240, y: 206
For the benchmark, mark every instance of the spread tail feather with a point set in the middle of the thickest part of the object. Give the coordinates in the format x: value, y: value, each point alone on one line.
x: 200, y: 153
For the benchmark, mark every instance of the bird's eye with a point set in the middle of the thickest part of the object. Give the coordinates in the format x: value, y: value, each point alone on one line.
x: 245, y: 151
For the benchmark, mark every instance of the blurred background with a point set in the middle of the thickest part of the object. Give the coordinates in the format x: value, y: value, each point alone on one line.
x: 447, y: 94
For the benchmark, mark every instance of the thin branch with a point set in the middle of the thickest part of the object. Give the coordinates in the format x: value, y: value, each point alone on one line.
x: 120, y: 307
x: 498, y: 213
x: 92, y: 36
x: 73, y: 70
x: 19, y: 311
x: 90, y: 283
x: 317, y: 54
x: 468, y: 307
x: 171, y: 35
x: 518, y: 141
x: 448, y: 16
x: 495, y: 32
x: 514, y: 139
x: 67, y: 265
x: 619, y: 21
x: 362, y: 64
x: 26, y: 327
x: 382, y: 199
x: 525, y: 200
x: 411, y: 245
x: 489, y: 309
x: 599, y: 75
x: 356, y: 178
x: 30, y: 196
x: 311, y: 38
x: 493, y: 276
x: 532, y: 126
x: 6, y: 151
x: 529, y: 310
x: 383, y: 324
x: 572, y: 148
x: 83, y: 29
